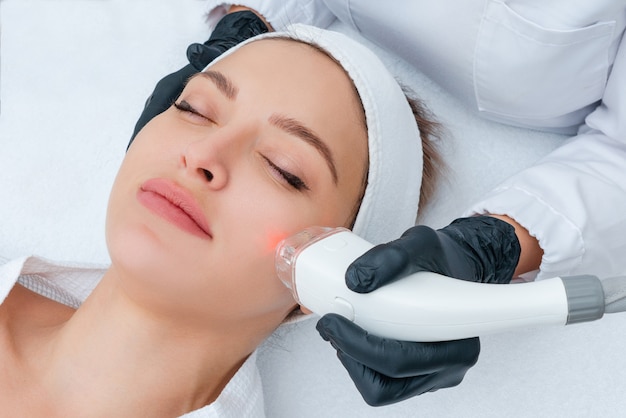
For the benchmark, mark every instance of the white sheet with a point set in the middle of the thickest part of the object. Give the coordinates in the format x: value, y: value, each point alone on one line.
x: 73, y: 78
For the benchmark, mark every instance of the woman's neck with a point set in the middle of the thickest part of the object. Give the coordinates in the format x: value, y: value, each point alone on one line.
x: 121, y: 359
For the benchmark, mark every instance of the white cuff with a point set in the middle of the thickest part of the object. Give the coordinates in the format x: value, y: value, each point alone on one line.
x: 561, y: 241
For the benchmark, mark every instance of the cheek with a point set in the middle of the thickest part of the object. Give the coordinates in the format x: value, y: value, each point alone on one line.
x: 256, y: 227
x: 250, y: 280
x: 273, y: 238
x: 263, y: 218
x: 118, y: 200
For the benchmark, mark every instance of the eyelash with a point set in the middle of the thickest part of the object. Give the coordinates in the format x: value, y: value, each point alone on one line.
x: 293, y: 180
x: 185, y: 107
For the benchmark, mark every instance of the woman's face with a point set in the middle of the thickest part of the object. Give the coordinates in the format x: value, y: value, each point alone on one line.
x: 268, y: 141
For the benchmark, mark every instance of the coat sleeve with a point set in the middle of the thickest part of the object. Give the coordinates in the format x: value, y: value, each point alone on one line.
x: 574, y: 200
x: 279, y: 13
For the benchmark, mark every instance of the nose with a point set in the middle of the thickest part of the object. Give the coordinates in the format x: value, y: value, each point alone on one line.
x: 206, y: 160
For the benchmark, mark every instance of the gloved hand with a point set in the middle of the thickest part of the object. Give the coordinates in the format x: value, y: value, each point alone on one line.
x: 480, y: 249
x: 232, y: 29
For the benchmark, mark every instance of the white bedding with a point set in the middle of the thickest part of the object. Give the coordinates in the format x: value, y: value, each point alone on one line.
x: 73, y: 79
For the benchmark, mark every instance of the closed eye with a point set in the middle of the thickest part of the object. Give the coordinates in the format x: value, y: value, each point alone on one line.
x: 184, y: 107
x: 291, y: 179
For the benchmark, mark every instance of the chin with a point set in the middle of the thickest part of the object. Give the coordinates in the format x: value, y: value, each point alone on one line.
x: 138, y: 248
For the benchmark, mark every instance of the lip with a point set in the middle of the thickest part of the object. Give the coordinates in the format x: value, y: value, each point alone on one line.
x: 175, y: 204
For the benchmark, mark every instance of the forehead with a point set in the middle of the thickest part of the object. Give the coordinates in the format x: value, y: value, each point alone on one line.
x: 283, y: 60
x: 277, y: 62
x: 297, y: 70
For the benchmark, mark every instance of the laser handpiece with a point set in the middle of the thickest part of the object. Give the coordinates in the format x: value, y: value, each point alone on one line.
x: 426, y: 306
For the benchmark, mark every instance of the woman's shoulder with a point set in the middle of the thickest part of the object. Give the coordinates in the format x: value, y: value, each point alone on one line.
x: 25, y: 321
x: 23, y: 309
x: 25, y: 316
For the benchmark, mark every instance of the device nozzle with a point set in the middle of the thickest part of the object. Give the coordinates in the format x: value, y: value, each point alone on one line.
x: 288, y: 250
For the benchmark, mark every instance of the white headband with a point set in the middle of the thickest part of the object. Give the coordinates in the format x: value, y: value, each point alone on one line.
x: 389, y: 205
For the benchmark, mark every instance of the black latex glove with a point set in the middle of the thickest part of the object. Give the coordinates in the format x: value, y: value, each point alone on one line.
x: 480, y: 249
x: 232, y: 29
x: 477, y: 249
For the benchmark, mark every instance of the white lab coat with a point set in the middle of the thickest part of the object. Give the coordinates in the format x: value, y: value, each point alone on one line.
x: 541, y: 64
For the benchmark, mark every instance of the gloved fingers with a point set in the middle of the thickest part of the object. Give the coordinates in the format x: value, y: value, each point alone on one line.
x: 379, y: 266
x: 201, y: 55
x: 165, y: 93
x: 236, y: 27
x: 419, y: 249
x: 492, y: 244
x: 394, y: 358
x: 229, y: 31
x: 378, y: 389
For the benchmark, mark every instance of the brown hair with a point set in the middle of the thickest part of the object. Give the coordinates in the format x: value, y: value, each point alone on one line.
x: 430, y: 134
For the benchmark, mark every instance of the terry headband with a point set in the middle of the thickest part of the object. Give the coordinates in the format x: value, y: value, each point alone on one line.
x: 389, y: 205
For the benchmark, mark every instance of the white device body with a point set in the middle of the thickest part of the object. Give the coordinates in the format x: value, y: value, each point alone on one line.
x: 424, y: 306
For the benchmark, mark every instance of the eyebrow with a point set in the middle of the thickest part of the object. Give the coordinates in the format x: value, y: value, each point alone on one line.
x: 297, y: 128
x: 223, y: 83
